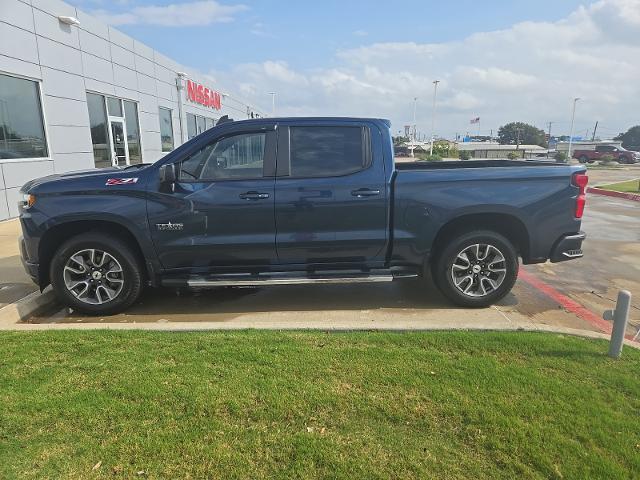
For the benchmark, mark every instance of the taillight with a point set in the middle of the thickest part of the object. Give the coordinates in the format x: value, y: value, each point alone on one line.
x: 580, y: 180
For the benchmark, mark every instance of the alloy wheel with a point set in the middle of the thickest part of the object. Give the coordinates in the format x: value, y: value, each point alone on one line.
x: 479, y: 270
x: 93, y: 276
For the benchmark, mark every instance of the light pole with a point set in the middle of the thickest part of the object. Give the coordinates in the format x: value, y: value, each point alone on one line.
x: 573, y: 116
x: 413, y: 142
x: 273, y: 103
x: 433, y: 113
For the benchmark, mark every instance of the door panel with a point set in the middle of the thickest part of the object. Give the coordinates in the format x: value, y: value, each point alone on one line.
x: 212, y: 218
x: 331, y: 219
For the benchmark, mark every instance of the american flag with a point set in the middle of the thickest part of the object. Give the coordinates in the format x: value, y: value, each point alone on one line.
x: 475, y: 120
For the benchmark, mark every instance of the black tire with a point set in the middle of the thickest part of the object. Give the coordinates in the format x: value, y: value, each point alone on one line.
x: 583, y: 159
x: 624, y: 160
x: 131, y: 273
x: 443, y: 265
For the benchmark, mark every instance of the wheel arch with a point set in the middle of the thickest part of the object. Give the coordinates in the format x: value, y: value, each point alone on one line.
x: 507, y: 225
x: 56, y: 235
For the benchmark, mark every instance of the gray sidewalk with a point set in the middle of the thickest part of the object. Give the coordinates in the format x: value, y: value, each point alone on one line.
x: 14, y: 282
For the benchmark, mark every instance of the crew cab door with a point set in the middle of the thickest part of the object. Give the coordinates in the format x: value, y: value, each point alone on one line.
x: 331, y: 199
x: 220, y: 210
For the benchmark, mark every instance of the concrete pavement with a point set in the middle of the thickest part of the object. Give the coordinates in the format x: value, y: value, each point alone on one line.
x: 14, y: 282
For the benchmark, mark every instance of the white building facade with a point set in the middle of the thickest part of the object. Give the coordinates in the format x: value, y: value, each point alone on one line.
x: 77, y: 94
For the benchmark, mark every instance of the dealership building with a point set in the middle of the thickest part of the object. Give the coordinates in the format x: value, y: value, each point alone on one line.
x: 76, y: 94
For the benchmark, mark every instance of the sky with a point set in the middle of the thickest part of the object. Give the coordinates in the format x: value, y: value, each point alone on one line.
x: 501, y: 61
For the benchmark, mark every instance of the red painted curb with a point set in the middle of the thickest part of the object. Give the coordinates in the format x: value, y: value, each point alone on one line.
x: 566, y: 303
x: 610, y: 193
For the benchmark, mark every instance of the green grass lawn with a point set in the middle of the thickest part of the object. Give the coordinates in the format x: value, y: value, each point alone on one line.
x: 631, y: 186
x: 316, y: 405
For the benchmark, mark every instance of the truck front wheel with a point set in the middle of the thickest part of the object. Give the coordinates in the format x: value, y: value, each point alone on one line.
x: 476, y: 269
x: 96, y: 274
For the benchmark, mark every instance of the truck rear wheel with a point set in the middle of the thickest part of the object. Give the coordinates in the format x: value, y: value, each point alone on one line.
x: 476, y: 269
x: 96, y: 274
x: 583, y: 159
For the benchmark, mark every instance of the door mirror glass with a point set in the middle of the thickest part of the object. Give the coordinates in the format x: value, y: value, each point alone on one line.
x: 168, y: 173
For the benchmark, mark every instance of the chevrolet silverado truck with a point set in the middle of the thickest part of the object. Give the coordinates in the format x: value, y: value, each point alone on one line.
x: 618, y: 154
x: 296, y: 200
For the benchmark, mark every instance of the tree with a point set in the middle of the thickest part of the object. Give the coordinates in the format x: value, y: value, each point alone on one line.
x: 399, y: 140
x: 631, y: 138
x: 529, y: 135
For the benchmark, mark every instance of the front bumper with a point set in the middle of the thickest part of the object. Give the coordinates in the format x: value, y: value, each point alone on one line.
x: 568, y: 247
x: 31, y: 268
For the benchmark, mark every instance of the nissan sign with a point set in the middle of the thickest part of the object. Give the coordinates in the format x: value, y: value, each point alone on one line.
x: 200, y: 94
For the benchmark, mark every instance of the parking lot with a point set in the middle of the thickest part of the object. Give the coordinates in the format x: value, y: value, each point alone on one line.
x: 611, y: 262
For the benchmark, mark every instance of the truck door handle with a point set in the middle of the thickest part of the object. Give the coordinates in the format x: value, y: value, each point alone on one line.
x: 365, y: 192
x: 254, y: 196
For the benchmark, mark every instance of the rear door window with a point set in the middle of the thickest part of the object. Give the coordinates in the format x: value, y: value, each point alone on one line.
x: 326, y: 151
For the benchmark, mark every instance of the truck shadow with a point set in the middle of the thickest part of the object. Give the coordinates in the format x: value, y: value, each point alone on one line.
x: 226, y: 303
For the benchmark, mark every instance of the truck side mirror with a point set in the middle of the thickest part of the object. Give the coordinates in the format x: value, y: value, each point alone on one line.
x: 168, y: 173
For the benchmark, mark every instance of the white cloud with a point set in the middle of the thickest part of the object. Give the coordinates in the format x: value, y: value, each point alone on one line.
x: 530, y: 72
x: 200, y: 13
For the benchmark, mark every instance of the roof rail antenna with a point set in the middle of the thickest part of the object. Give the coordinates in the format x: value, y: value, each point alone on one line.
x: 224, y: 119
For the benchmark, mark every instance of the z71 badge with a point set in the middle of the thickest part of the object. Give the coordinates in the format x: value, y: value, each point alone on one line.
x: 121, y: 181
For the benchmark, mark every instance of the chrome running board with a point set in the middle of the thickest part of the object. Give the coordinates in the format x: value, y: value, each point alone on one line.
x: 286, y: 278
x: 256, y: 282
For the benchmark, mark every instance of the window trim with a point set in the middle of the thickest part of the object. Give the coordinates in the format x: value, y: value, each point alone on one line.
x: 45, y: 125
x: 267, y: 161
x: 283, y: 162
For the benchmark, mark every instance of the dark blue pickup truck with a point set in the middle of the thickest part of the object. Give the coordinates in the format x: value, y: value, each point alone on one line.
x: 296, y: 200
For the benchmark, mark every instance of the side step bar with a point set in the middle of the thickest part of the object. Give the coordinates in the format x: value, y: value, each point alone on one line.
x: 285, y: 278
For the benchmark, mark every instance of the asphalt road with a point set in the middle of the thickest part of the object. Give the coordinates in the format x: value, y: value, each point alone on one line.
x: 611, y: 262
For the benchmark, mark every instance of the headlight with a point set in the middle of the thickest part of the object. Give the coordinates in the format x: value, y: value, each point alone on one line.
x: 28, y: 200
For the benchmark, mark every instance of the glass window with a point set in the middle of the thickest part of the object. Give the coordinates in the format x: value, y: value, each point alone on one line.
x: 208, y: 122
x: 99, y: 135
x: 201, y: 125
x: 166, y: 129
x: 239, y: 156
x: 192, y: 129
x: 21, y: 126
x: 133, y: 132
x: 326, y: 151
x: 114, y: 107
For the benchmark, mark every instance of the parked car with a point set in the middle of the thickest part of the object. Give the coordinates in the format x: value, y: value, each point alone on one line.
x: 618, y: 153
x: 296, y: 200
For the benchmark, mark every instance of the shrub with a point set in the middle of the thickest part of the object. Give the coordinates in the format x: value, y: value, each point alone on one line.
x: 561, y: 157
x: 464, y: 155
x: 513, y: 155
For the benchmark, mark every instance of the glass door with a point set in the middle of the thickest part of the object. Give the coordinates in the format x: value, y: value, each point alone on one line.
x: 119, y: 150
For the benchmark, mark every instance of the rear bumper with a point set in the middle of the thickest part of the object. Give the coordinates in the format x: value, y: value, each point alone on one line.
x: 29, y: 267
x: 568, y: 247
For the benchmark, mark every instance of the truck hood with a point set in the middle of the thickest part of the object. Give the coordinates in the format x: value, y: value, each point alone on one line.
x: 81, y: 176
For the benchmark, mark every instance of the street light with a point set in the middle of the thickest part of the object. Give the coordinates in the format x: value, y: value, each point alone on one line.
x: 433, y: 113
x: 573, y: 116
x: 413, y: 143
x: 273, y: 103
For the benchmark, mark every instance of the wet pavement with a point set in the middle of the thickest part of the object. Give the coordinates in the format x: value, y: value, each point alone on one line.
x: 611, y: 259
